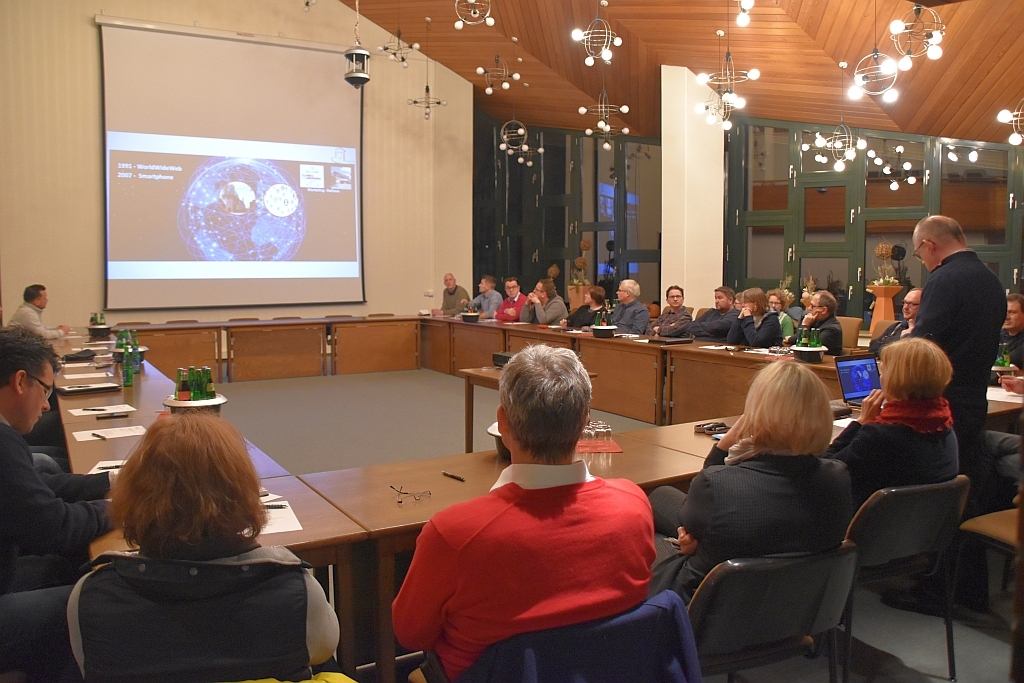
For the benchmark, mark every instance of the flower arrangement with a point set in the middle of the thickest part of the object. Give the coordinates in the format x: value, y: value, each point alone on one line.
x: 579, y: 270
x: 886, y: 271
x: 784, y: 285
x: 554, y: 271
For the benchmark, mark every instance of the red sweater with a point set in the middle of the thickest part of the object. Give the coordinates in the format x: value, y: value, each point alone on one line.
x: 519, y: 560
x: 518, y: 304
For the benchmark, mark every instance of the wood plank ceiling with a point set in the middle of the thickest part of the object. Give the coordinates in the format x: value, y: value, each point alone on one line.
x: 796, y: 44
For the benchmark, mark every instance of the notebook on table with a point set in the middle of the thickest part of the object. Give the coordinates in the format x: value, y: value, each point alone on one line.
x: 858, y: 376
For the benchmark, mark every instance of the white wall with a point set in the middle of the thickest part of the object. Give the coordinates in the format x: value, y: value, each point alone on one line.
x: 693, y: 187
x: 417, y: 176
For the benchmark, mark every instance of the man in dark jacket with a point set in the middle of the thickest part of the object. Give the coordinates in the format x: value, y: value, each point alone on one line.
x: 821, y: 316
x: 47, y: 525
x: 901, y: 329
x: 714, y: 324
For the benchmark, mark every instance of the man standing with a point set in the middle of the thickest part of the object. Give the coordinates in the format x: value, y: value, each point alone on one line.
x: 903, y: 328
x: 489, y: 300
x: 549, y: 546
x: 30, y: 314
x: 714, y: 324
x: 513, y: 304
x: 631, y: 315
x: 963, y: 308
x: 455, y: 296
x: 47, y: 525
x: 821, y: 316
x: 543, y: 305
x: 676, y: 320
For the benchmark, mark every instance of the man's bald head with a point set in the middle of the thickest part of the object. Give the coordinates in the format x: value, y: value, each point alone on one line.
x: 940, y: 229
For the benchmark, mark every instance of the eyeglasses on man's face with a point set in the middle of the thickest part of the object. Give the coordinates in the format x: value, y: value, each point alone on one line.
x: 48, y: 388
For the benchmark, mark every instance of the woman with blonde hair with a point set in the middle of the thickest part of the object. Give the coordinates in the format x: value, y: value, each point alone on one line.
x: 200, y: 600
x: 763, y: 489
x: 758, y: 324
x: 904, y: 433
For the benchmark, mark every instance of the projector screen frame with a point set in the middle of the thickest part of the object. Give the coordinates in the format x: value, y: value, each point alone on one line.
x: 236, y: 36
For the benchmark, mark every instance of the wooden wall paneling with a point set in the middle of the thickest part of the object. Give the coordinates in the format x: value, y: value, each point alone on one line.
x: 516, y: 340
x: 629, y: 377
x: 436, y: 345
x: 276, y: 352
x: 474, y: 345
x: 375, y: 347
x: 170, y: 350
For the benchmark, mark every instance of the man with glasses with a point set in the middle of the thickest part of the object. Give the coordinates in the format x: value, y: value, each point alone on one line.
x: 631, y: 315
x: 543, y: 305
x: 821, y: 316
x: 676, y: 320
x: 48, y: 522
x: 512, y: 306
x: 902, y: 328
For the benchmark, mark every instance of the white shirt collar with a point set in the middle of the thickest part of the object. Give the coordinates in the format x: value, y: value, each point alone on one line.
x: 530, y: 476
x: 3, y: 420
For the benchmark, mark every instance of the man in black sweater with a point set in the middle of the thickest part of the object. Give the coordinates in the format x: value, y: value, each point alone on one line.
x: 714, y: 324
x: 821, y: 316
x: 47, y: 523
x: 1012, y: 333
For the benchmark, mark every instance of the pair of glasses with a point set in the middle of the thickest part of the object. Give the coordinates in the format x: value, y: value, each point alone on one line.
x: 416, y: 495
x: 48, y: 388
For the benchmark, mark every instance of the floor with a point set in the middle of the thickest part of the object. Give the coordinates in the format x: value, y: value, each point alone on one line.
x: 328, y: 423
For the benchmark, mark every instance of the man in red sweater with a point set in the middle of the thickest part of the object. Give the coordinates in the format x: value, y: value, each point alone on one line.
x: 514, y: 301
x: 549, y: 546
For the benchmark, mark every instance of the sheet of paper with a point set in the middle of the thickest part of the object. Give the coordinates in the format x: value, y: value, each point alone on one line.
x: 72, y: 336
x: 714, y: 348
x: 268, y: 496
x: 112, y: 433
x: 642, y: 341
x: 624, y: 335
x: 843, y: 423
x: 101, y: 410
x: 73, y: 388
x: 761, y: 352
x: 100, y: 343
x: 106, y: 466
x: 79, y: 365
x: 87, y: 375
x: 281, y: 519
x: 1000, y: 394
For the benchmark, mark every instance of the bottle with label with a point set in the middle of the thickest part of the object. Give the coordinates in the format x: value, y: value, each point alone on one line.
x: 136, y: 358
x: 103, y: 318
x: 134, y: 335
x: 211, y: 391
x: 193, y: 384
x: 127, y: 372
x: 1003, y: 360
x: 93, y: 320
x: 183, y: 392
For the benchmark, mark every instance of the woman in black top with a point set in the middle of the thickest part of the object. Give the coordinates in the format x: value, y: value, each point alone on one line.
x: 757, y: 325
x: 593, y: 302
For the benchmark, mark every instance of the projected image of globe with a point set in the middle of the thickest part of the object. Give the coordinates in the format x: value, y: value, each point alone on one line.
x: 241, y: 210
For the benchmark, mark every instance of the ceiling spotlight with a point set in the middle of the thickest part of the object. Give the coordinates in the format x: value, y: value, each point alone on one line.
x: 894, y: 186
x: 912, y: 180
x: 907, y: 166
x: 891, y: 95
x: 953, y: 157
x: 871, y: 154
x: 973, y: 156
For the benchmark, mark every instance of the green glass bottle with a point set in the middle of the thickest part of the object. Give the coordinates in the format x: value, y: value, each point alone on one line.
x: 193, y: 384
x: 127, y: 371
x: 211, y: 391
x: 1004, y: 356
x: 183, y: 392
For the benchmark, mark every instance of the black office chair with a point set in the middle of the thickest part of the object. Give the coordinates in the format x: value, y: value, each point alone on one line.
x: 751, y: 612
x: 906, y: 531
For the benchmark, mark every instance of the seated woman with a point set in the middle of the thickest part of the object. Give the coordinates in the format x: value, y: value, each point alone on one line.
x: 200, y: 600
x: 779, y: 302
x: 909, y: 440
x: 773, y: 494
x: 593, y: 302
x: 757, y: 325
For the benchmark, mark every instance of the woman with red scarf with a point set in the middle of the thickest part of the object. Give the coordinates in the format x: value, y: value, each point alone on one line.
x: 904, y: 435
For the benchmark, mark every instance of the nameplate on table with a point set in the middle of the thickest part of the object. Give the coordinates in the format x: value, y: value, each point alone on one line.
x: 102, y: 410
x: 112, y: 433
x: 106, y: 466
x: 87, y: 375
x: 280, y: 518
x: 1001, y: 394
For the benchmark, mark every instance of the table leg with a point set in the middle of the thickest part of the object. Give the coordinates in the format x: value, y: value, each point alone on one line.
x: 345, y: 610
x: 385, y: 596
x: 469, y: 415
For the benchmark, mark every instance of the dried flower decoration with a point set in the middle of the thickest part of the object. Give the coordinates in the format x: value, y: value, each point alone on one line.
x: 586, y: 245
x: 554, y: 271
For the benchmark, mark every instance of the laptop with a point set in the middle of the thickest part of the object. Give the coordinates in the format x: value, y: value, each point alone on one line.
x: 858, y: 376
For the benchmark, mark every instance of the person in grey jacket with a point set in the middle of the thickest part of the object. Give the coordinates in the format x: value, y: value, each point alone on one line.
x: 29, y: 315
x: 543, y: 305
x: 631, y: 315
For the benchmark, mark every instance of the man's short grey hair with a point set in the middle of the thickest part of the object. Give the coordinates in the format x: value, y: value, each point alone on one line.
x: 546, y: 396
x: 632, y: 287
x: 940, y: 229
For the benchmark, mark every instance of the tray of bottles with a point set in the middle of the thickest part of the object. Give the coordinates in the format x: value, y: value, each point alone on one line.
x: 211, y: 404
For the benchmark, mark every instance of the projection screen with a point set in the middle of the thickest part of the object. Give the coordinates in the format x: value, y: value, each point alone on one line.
x: 232, y: 170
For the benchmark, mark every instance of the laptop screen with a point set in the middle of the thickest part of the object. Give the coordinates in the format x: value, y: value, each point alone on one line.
x: 858, y: 375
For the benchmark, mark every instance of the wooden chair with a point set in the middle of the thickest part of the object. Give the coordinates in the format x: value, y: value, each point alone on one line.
x: 654, y: 310
x: 997, y: 530
x: 288, y: 317
x: 905, y: 531
x: 689, y: 309
x: 700, y: 312
x: 851, y: 331
x: 381, y: 315
x: 881, y: 327
x: 239, y: 320
x: 752, y: 612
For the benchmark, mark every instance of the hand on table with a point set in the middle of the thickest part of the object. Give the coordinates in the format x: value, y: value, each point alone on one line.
x: 871, y: 407
x: 734, y: 434
x: 687, y: 543
x: 1012, y: 384
x: 510, y: 312
x: 64, y: 328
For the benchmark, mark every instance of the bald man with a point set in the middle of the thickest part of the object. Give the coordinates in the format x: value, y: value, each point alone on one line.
x: 455, y: 295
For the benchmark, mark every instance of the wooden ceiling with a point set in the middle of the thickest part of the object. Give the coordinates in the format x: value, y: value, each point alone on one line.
x: 796, y: 44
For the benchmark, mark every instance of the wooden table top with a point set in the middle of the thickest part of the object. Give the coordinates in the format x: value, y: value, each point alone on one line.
x: 147, y: 396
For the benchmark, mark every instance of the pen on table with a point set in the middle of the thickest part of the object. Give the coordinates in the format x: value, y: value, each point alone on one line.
x: 275, y: 506
x: 453, y: 476
x: 99, y: 436
x: 96, y: 410
x: 111, y: 416
x: 109, y: 467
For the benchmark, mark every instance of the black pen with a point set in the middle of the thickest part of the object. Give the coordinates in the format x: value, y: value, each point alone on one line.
x: 99, y: 436
x: 95, y: 410
x: 453, y: 476
x: 275, y: 506
x: 109, y: 467
x: 111, y: 416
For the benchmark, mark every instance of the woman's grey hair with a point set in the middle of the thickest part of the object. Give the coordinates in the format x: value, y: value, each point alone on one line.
x: 546, y: 396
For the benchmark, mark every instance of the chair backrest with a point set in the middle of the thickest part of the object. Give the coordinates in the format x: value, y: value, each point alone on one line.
x: 908, y: 520
x: 181, y: 321
x: 654, y: 310
x: 689, y: 309
x: 235, y: 320
x: 381, y: 315
x: 288, y: 317
x: 748, y: 602
x: 851, y: 330
x: 880, y: 327
x: 700, y: 312
x: 650, y: 643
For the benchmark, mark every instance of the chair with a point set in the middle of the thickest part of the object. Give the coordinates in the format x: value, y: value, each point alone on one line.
x: 851, y: 330
x: 902, y: 532
x: 654, y: 310
x: 288, y: 317
x: 881, y: 327
x: 651, y: 642
x: 700, y: 312
x: 238, y: 320
x: 997, y: 530
x: 751, y: 612
x: 689, y: 309
x: 381, y: 315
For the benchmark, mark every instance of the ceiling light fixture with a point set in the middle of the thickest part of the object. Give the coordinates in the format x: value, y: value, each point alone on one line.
x: 917, y: 34
x: 603, y: 110
x: 1016, y: 119
x: 427, y: 101
x: 724, y: 100
x: 875, y: 73
x: 743, y: 18
x: 357, y: 73
x: 473, y: 13
x: 598, y: 38
x: 397, y: 49
x: 499, y: 74
x: 843, y: 143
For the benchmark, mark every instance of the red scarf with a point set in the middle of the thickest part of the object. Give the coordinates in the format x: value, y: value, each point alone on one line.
x: 925, y: 416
